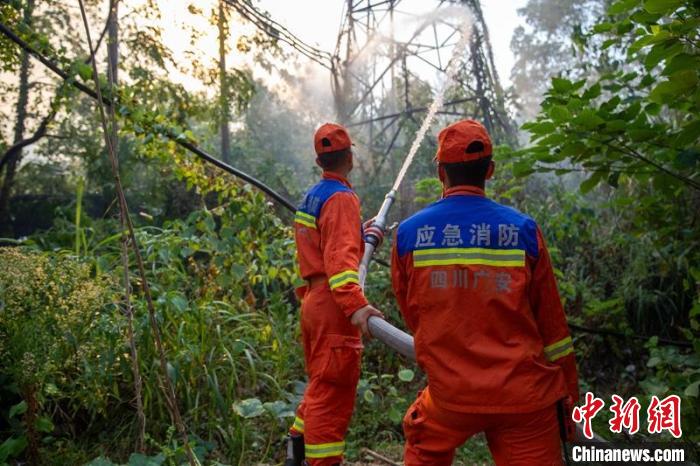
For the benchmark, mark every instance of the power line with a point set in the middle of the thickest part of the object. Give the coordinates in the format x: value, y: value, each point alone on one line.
x: 281, y: 33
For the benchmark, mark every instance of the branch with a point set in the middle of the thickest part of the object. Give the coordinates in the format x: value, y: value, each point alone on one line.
x: 130, y: 237
x: 614, y: 333
x: 176, y: 138
x: 636, y: 155
x: 16, y: 149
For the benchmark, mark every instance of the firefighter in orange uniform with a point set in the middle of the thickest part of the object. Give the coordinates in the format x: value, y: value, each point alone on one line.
x: 475, y: 285
x: 334, y: 310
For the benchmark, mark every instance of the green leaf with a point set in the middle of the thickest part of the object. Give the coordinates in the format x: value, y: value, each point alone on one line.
x: 540, y: 128
x: 368, y: 396
x: 622, y: 6
x: 689, y: 134
x: 12, y: 447
x: 603, y: 27
x: 678, y: 84
x: 18, y: 409
x: 44, y: 424
x: 406, y: 375
x: 573, y: 148
x: 590, y: 183
x: 662, y: 6
x: 615, y: 126
x: 139, y: 459
x: 609, y: 43
x: 682, y: 62
x: 395, y: 415
x: 84, y: 70
x: 654, y: 387
x: 51, y: 389
x: 279, y: 409
x: 588, y: 119
x: 653, y: 361
x: 639, y: 44
x: 249, y: 408
x: 561, y: 85
x: 553, y: 139
x: 179, y: 302
x: 661, y: 52
x: 641, y: 135
x: 692, y: 390
x: 559, y: 113
x: 522, y: 168
x: 592, y: 92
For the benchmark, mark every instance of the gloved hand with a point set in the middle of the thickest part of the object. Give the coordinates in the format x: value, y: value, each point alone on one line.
x: 369, y: 229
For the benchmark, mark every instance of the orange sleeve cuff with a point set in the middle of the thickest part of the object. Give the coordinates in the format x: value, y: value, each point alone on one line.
x: 349, y: 298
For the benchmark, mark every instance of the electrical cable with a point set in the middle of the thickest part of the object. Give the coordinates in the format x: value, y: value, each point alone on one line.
x: 279, y: 32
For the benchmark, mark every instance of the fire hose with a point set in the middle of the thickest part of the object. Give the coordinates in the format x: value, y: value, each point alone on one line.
x: 380, y: 329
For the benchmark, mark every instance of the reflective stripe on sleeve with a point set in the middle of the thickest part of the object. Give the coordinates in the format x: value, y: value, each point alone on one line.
x: 324, y: 450
x: 305, y: 219
x: 559, y: 349
x: 343, y: 278
x: 469, y: 256
x: 298, y: 425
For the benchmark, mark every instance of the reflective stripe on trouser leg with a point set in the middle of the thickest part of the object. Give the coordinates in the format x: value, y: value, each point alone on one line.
x: 324, y: 450
x: 328, y: 409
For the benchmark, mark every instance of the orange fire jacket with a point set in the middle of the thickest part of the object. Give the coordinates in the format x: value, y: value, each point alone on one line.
x: 328, y: 234
x: 475, y: 284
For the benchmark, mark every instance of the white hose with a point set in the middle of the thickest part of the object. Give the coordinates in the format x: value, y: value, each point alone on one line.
x: 392, y: 337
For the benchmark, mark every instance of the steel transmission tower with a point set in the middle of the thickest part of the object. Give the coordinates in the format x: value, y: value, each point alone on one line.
x: 373, y: 67
x: 382, y: 67
x: 387, y: 64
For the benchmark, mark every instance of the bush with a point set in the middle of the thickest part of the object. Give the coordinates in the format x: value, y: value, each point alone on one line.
x: 51, y: 307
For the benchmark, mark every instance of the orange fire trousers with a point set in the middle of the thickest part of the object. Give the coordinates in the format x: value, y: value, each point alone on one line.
x: 433, y: 434
x: 332, y: 352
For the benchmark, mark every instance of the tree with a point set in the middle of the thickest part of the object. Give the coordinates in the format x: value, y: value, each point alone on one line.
x: 635, y: 131
x: 547, y: 46
x: 222, y: 23
x: 11, y: 161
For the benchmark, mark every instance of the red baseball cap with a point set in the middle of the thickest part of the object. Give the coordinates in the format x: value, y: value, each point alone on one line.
x: 330, y: 138
x: 454, y: 140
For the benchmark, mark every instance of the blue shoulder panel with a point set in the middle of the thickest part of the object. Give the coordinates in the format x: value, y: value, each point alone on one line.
x: 467, y: 222
x: 318, y: 195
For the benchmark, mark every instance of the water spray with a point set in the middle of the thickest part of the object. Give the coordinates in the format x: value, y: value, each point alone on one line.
x: 380, y: 328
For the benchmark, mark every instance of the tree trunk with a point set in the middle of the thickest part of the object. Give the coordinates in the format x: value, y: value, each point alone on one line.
x: 225, y: 106
x: 30, y: 418
x: 113, y: 61
x: 20, y: 124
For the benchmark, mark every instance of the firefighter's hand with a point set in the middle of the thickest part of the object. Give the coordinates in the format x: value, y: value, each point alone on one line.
x: 369, y: 228
x: 359, y: 318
